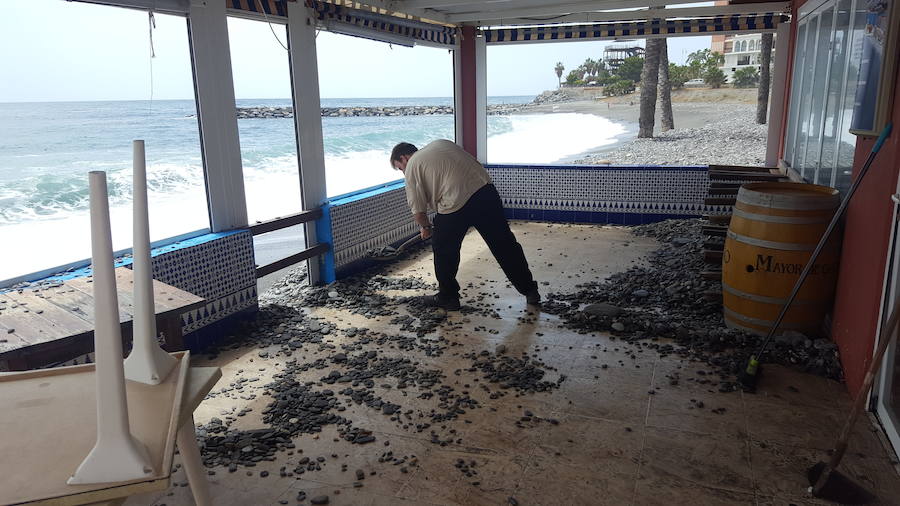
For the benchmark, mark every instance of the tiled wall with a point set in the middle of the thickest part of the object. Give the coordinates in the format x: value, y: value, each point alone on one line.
x: 359, y: 222
x: 218, y: 267
x: 628, y: 195
x: 362, y: 221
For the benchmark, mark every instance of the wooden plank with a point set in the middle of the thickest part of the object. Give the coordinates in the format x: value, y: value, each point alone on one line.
x: 712, y: 257
x: 745, y: 176
x: 288, y: 221
x: 306, y: 254
x: 78, y: 303
x: 714, y: 245
x: 715, y: 231
x: 720, y: 201
x: 719, y: 219
x: 715, y: 275
x: 38, y: 320
x: 741, y: 168
x: 723, y: 191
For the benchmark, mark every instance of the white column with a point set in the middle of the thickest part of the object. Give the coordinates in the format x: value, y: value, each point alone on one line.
x: 307, y: 118
x: 457, y: 94
x: 214, y: 87
x: 776, y: 93
x: 481, y: 96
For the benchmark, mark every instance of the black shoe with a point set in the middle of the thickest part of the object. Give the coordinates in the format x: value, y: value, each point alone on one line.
x: 450, y: 304
x: 533, y: 298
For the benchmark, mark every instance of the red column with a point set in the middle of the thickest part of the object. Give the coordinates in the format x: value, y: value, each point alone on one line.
x: 466, y: 75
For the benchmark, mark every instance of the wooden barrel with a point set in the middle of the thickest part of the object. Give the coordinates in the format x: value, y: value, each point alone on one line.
x: 774, y: 229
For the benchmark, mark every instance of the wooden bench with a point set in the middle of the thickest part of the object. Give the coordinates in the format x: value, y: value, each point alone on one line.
x: 50, y: 325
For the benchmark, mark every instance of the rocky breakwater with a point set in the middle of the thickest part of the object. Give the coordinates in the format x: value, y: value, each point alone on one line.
x: 346, y: 112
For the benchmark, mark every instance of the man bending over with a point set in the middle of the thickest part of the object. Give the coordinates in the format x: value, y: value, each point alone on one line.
x: 446, y: 179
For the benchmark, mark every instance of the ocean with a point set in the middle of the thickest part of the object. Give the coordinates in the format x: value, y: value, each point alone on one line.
x: 46, y: 150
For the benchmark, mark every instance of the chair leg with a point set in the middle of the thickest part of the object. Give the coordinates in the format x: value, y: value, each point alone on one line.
x: 193, y: 465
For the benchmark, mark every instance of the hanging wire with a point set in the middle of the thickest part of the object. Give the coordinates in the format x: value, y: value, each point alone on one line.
x: 259, y: 2
x: 152, y: 25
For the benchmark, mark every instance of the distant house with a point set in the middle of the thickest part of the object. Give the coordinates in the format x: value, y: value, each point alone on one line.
x: 741, y: 51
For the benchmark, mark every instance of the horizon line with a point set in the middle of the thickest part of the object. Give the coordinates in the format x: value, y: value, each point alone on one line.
x: 191, y: 99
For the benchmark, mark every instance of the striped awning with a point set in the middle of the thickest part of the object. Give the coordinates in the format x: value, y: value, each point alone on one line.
x: 270, y: 7
x: 416, y: 30
x: 638, y: 29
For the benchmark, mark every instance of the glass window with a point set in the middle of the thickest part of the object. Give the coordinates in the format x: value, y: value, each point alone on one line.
x: 818, y: 91
x: 826, y: 67
x: 262, y: 89
x: 796, y: 87
x: 839, y: 51
x: 803, y: 120
x: 74, y: 103
x: 847, y: 141
x: 370, y: 105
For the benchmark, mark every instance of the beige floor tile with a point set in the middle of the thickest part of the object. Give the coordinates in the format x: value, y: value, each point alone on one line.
x: 694, y: 410
x: 704, y: 460
x: 619, y: 397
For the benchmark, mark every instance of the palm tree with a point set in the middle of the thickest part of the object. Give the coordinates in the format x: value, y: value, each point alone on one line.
x: 559, y: 72
x: 665, y: 88
x: 649, y: 82
x: 762, y: 95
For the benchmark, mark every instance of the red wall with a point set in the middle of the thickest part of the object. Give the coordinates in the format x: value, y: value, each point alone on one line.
x: 467, y: 90
x: 867, y: 230
x: 866, y: 236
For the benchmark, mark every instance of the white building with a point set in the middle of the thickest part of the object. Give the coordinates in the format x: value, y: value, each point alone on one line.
x: 741, y: 51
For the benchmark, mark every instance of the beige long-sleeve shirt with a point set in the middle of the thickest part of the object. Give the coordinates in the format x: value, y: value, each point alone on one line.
x: 442, y: 177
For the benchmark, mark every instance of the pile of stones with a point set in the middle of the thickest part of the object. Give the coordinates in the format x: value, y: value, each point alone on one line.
x: 670, y: 307
x: 360, y: 371
x: 555, y: 97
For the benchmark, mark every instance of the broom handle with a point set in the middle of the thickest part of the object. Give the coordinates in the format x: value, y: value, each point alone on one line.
x: 840, y: 447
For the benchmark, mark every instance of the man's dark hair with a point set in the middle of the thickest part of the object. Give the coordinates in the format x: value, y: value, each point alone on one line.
x: 402, y: 149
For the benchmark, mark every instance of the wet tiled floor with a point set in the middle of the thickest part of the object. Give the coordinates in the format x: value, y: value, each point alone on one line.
x: 625, y: 434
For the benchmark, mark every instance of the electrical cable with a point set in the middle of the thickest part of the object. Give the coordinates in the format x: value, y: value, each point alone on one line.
x: 259, y: 2
x: 152, y: 25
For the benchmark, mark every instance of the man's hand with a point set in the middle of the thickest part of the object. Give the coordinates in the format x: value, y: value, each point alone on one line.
x: 425, y: 226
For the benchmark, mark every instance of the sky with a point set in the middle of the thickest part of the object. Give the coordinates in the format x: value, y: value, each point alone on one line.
x: 79, y: 52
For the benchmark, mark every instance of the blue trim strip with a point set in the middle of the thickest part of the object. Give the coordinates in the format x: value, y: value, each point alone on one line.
x: 324, y: 235
x: 122, y: 261
x: 371, y: 191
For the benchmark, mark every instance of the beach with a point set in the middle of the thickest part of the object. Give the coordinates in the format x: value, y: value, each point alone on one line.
x: 711, y: 127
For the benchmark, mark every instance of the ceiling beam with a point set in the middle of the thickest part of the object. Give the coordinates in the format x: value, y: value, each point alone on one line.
x: 643, y: 14
x: 429, y: 4
x: 555, y: 10
x: 393, y: 7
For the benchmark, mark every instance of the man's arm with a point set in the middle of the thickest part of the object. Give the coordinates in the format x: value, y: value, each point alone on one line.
x: 424, y: 225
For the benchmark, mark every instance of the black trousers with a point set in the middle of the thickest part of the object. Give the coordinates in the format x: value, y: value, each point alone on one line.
x: 484, y: 211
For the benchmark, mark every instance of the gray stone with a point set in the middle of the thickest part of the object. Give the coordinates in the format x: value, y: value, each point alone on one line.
x: 602, y: 309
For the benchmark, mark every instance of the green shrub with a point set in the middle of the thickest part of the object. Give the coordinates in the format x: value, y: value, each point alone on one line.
x: 747, y: 77
x: 714, y: 77
x: 678, y: 75
x: 618, y: 86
